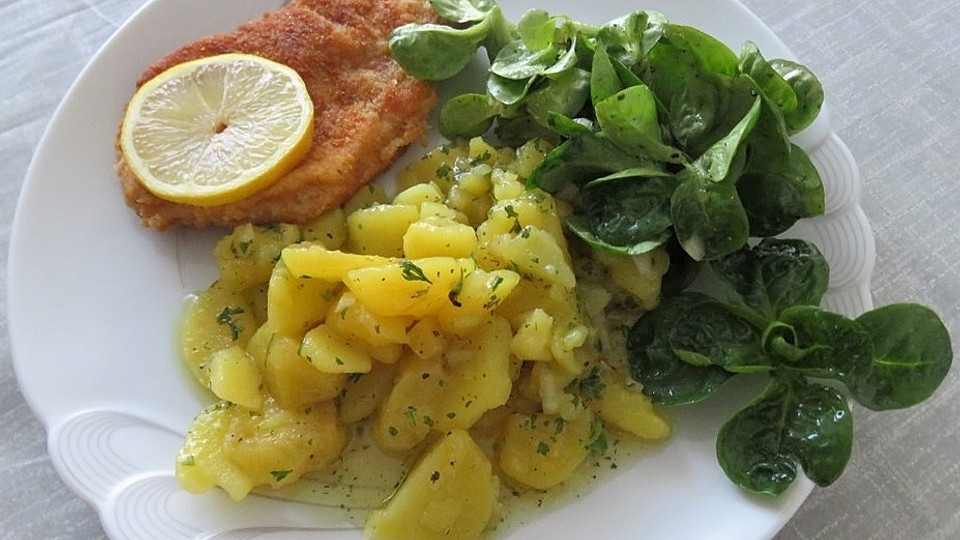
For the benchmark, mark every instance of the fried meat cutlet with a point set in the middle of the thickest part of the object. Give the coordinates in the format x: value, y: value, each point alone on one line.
x: 366, y: 108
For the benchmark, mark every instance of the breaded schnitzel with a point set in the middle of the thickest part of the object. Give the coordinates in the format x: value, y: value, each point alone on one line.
x: 366, y: 108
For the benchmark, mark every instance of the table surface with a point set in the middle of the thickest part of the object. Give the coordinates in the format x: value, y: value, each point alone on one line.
x: 892, y: 81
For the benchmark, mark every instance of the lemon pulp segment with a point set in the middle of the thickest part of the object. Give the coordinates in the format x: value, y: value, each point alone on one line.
x: 217, y: 129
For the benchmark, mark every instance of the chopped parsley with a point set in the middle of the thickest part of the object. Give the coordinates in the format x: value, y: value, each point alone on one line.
x: 598, y: 437
x: 591, y: 386
x: 412, y: 272
x: 512, y: 213
x: 226, y: 317
x: 443, y: 171
x: 281, y: 474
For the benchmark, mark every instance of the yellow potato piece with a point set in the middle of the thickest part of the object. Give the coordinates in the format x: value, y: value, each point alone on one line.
x: 425, y: 338
x: 363, y: 393
x: 228, y: 447
x: 476, y: 299
x: 533, y: 338
x: 439, y: 237
x: 534, y: 252
x: 246, y: 256
x: 296, y: 304
x: 418, y: 194
x: 215, y: 319
x: 410, y: 410
x: 329, y: 229
x: 450, y: 493
x: 640, y: 275
x: 541, y: 451
x: 478, y: 375
x: 289, y: 377
x: 408, y: 287
x: 436, y: 166
x: 235, y: 378
x: 314, y: 260
x: 352, y: 319
x: 328, y: 352
x: 379, y: 229
x: 630, y: 410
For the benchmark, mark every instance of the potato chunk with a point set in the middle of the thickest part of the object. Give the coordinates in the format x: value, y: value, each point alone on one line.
x: 327, y: 351
x: 289, y: 377
x: 450, y: 493
x: 407, y: 287
x: 295, y: 304
x: 235, y: 378
x: 308, y: 259
x: 446, y: 393
x: 379, y: 229
x: 227, y: 446
x: 541, y: 450
x: 246, y: 256
x: 629, y: 410
x: 439, y: 237
x: 215, y: 319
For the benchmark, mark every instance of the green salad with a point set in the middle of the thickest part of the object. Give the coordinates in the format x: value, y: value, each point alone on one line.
x: 665, y: 138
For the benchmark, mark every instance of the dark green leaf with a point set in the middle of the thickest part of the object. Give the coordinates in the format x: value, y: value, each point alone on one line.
x: 912, y: 355
x: 630, y: 120
x: 773, y: 86
x: 580, y: 226
x: 628, y: 210
x: 716, y: 163
x: 582, y: 156
x: 775, y: 274
x: 713, y: 334
x: 694, y: 113
x: 568, y: 127
x: 514, y: 132
x: 777, y: 193
x: 682, y: 272
x: 792, y: 423
x: 708, y: 218
x: 821, y: 344
x: 680, y: 52
x: 604, y: 80
x: 666, y: 378
x: 808, y: 90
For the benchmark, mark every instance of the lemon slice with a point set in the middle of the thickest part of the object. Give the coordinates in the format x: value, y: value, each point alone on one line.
x: 216, y: 130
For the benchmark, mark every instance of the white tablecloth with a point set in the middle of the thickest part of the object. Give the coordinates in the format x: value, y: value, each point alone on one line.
x: 892, y: 78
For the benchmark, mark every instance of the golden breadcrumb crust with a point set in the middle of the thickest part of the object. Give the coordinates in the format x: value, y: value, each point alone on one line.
x: 366, y: 108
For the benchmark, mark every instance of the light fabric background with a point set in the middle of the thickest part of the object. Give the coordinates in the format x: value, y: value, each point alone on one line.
x: 892, y: 80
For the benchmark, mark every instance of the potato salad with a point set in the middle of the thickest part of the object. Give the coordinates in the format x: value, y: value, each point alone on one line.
x: 452, y: 325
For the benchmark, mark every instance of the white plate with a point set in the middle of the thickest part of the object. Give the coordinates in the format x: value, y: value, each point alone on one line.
x: 94, y: 297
